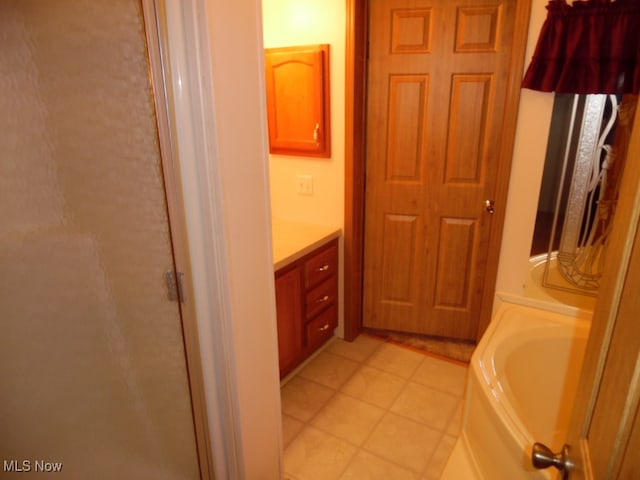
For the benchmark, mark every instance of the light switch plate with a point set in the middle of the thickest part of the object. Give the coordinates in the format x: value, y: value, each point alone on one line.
x: 304, y: 184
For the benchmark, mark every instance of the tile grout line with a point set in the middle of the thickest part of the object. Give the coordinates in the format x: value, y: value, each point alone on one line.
x: 386, y: 411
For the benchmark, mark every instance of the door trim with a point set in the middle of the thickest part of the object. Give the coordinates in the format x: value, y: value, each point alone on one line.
x: 156, y: 38
x: 355, y: 161
x: 606, y: 316
x: 197, y: 86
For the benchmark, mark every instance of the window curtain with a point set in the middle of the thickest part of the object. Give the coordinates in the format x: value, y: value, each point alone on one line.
x: 591, y: 46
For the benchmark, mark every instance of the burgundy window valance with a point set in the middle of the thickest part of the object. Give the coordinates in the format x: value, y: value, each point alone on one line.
x: 592, y: 46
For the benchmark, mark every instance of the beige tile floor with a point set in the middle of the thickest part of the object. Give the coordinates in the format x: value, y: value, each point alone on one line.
x: 371, y: 410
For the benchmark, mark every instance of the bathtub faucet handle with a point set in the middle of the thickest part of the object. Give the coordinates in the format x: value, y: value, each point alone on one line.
x: 543, y: 457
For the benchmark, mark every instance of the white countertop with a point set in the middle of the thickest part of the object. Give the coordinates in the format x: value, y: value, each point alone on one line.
x: 293, y: 240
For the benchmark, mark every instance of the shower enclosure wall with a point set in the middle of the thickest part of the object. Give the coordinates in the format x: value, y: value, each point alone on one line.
x: 585, y: 157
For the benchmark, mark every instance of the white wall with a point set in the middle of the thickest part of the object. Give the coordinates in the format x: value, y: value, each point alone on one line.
x: 305, y: 22
x: 237, y: 58
x: 217, y: 78
x: 534, y: 118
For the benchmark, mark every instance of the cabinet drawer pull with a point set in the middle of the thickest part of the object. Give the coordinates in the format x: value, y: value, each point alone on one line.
x: 323, y: 268
x: 323, y: 299
x: 324, y: 328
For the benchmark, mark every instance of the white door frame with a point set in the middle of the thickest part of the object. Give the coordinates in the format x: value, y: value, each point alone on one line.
x: 223, y: 164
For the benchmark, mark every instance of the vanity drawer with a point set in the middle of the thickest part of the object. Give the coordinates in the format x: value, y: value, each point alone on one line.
x: 321, y: 266
x: 321, y: 297
x: 321, y: 328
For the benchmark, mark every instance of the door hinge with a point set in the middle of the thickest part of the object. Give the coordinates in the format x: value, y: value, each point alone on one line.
x: 175, y: 290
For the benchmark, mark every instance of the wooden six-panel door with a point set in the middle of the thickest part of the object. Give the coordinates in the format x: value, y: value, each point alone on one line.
x: 437, y: 83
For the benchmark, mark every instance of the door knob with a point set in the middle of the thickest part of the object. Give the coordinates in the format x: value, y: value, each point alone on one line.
x: 543, y: 457
x: 489, y: 206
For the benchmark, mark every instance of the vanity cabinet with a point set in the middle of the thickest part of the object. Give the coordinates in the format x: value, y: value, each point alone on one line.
x: 289, y: 311
x: 306, y: 305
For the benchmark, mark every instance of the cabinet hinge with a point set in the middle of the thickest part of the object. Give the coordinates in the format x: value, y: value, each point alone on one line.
x: 175, y: 290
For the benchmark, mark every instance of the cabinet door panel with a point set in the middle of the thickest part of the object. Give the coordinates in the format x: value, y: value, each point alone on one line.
x: 298, y: 100
x: 289, y: 313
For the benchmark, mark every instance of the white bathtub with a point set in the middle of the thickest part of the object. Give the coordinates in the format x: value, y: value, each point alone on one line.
x: 522, y: 381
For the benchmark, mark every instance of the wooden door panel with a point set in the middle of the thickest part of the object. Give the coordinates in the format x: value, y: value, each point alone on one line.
x: 468, y: 133
x: 411, y: 30
x: 398, y: 256
x: 407, y: 106
x: 630, y: 467
x: 454, y: 258
x: 401, y: 249
x: 437, y: 84
x: 477, y: 28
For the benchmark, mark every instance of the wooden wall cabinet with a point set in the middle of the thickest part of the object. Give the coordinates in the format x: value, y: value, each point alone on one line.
x: 298, y: 100
x: 306, y: 305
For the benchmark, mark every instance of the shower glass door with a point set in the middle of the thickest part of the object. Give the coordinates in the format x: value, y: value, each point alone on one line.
x: 92, y: 360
